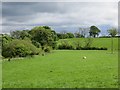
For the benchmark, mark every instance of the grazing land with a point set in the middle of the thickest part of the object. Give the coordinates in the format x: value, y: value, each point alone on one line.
x: 96, y: 42
x: 65, y: 68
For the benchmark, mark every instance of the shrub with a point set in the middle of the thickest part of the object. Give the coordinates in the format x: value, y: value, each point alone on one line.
x: 69, y: 47
x: 78, y: 45
x: 19, y: 48
x: 88, y: 42
x: 93, y: 48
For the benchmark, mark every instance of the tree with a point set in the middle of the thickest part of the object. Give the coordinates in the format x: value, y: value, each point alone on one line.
x: 94, y: 31
x: 70, y: 35
x: 43, y: 35
x: 112, y: 32
x: 20, y: 34
x: 62, y: 36
x: 78, y: 35
x: 88, y: 42
x: 5, y: 39
x: 83, y: 31
x: 19, y: 48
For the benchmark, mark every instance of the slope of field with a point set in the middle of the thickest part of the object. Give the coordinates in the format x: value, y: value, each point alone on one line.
x: 96, y: 42
x: 63, y: 69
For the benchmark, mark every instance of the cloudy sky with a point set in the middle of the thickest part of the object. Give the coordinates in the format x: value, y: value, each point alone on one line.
x: 61, y: 16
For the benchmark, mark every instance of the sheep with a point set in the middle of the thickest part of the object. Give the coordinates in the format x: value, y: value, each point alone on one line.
x: 84, y: 57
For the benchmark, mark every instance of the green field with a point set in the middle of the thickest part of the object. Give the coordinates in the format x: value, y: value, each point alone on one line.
x: 65, y: 69
x: 96, y: 42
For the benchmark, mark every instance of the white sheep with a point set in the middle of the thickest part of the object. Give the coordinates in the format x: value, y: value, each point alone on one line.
x: 84, y: 57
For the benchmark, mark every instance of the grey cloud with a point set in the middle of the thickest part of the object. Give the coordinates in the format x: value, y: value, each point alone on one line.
x: 28, y: 8
x: 58, y: 14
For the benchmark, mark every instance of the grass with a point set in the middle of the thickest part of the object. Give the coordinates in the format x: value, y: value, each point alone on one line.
x: 63, y: 69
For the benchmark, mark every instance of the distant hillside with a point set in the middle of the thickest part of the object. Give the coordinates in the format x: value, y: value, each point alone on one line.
x: 96, y: 42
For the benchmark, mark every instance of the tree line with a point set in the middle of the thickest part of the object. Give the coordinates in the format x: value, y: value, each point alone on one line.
x: 40, y: 39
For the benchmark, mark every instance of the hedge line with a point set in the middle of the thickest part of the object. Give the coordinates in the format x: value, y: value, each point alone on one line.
x: 70, y: 47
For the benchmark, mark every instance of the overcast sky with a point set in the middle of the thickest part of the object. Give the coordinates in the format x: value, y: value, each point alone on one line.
x: 68, y: 16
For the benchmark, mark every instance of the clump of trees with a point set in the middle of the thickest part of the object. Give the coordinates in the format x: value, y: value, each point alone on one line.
x: 65, y: 45
x: 19, y: 48
x: 65, y: 35
x: 29, y: 42
x: 112, y: 32
x: 42, y: 39
x: 43, y: 35
x: 93, y: 31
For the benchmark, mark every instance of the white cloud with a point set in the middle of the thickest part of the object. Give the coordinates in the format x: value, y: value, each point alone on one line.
x: 67, y: 14
x: 104, y: 13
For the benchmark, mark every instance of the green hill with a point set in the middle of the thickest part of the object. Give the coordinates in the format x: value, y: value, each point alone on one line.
x: 96, y: 42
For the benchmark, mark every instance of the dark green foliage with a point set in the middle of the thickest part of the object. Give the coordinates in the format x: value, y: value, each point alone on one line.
x: 6, y: 39
x: 55, y: 35
x: 46, y: 27
x: 65, y: 45
x: 68, y: 47
x: 93, y: 48
x: 78, y: 48
x: 70, y: 35
x: 94, y: 31
x: 59, y: 36
x: 43, y: 35
x: 37, y: 44
x: 20, y: 34
x: 64, y: 36
x: 19, y: 48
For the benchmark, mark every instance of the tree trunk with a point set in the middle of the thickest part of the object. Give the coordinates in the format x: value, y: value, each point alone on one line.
x: 112, y: 45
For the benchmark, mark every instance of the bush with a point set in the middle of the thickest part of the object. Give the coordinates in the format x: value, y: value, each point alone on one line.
x: 78, y: 48
x: 93, y: 48
x: 19, y: 48
x: 78, y: 45
x: 88, y: 42
x: 63, y: 46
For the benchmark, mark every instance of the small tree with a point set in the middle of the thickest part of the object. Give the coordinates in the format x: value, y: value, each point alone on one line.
x: 112, y: 32
x: 88, y: 42
x: 83, y: 31
x: 44, y: 35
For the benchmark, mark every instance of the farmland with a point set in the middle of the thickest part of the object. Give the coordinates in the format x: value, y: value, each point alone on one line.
x: 96, y: 42
x: 65, y: 68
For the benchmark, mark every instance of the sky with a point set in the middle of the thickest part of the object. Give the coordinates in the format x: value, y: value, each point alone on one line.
x: 60, y: 16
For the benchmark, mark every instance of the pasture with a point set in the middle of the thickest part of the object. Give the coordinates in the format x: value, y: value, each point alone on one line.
x: 96, y: 42
x: 65, y: 68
